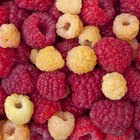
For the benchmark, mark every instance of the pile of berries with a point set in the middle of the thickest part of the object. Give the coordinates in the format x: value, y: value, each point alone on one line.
x: 70, y: 69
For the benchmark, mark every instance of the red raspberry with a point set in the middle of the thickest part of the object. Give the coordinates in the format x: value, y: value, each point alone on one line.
x: 97, y: 12
x: 138, y: 54
x: 137, y: 135
x: 67, y: 105
x: 4, y: 15
x: 43, y: 109
x: 41, y: 32
x: 112, y: 117
x: 132, y: 77
x: 39, y: 132
x: 113, y: 54
x: 18, y: 81
x: 7, y: 61
x: 128, y: 135
x: 16, y: 14
x: 23, y: 52
x: 137, y: 66
x: 35, y: 5
x: 131, y: 6
x: 85, y: 130
x: 86, y: 88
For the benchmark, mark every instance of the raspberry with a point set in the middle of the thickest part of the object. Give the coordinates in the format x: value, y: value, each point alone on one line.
x: 43, y: 109
x: 81, y: 59
x: 113, y: 54
x: 18, y: 81
x: 137, y: 66
x: 67, y: 105
x: 114, y: 86
x: 35, y: 5
x: 39, y: 132
x: 17, y: 15
x: 84, y: 130
x: 112, y: 117
x: 136, y: 117
x: 69, y: 6
x: 14, y: 131
x: 131, y: 6
x: 51, y: 85
x: 49, y: 59
x: 126, y: 26
x: 137, y: 135
x: 9, y: 36
x: 23, y: 52
x: 61, y: 125
x: 128, y: 135
x: 33, y: 55
x: 7, y: 61
x: 4, y: 15
x: 138, y: 54
x: 97, y: 12
x: 54, y: 12
x: 65, y: 46
x: 69, y: 26
x: 18, y: 108
x: 89, y: 36
x: 2, y: 122
x: 132, y: 77
x: 41, y: 32
x: 86, y: 88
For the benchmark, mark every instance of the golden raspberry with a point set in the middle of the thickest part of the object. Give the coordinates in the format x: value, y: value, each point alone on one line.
x: 69, y: 6
x: 61, y: 125
x: 2, y: 122
x: 126, y: 26
x: 114, y: 86
x: 49, y: 59
x: 89, y: 36
x: 33, y: 55
x: 69, y: 26
x: 13, y: 131
x: 9, y: 36
x: 81, y: 59
x: 18, y: 108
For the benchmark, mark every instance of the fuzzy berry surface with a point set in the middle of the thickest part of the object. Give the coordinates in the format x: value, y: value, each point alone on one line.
x: 86, y: 88
x: 4, y: 15
x: 52, y: 85
x: 113, y: 54
x: 112, y: 117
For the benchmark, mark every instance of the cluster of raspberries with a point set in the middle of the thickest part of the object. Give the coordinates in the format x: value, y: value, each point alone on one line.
x: 70, y: 69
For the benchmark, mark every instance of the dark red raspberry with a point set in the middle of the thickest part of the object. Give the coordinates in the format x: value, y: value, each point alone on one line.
x: 128, y: 135
x: 113, y: 54
x: 85, y: 130
x: 35, y: 5
x: 23, y: 52
x: 43, y: 109
x: 66, y: 70
x: 39, y: 30
x: 86, y: 88
x: 131, y: 6
x: 112, y: 117
x: 97, y: 12
x: 18, y: 81
x: 137, y: 66
x: 4, y: 15
x: 132, y: 77
x: 7, y: 61
x: 52, y: 85
x: 137, y: 135
x: 67, y: 105
x: 138, y: 54
x: 39, y: 132
x: 54, y: 12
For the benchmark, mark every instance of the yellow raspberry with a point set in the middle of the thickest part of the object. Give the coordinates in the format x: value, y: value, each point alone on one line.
x: 69, y: 26
x: 33, y: 55
x: 126, y: 26
x: 49, y: 59
x: 18, y: 108
x: 69, y: 6
x: 89, y: 36
x: 61, y: 125
x: 81, y: 59
x: 114, y: 86
x: 13, y: 131
x: 9, y: 36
